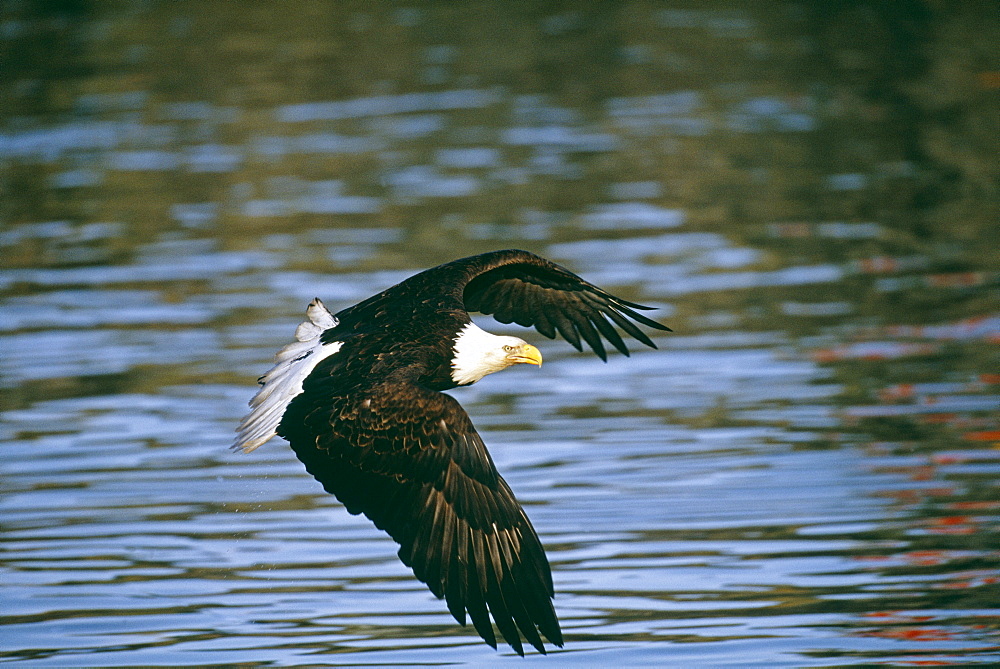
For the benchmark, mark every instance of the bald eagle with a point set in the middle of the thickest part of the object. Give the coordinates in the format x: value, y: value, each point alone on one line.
x: 358, y: 397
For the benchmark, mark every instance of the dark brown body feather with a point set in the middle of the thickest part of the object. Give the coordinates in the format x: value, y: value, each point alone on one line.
x: 372, y: 427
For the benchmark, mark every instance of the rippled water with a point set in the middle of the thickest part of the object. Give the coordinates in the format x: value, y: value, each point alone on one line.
x: 803, y: 474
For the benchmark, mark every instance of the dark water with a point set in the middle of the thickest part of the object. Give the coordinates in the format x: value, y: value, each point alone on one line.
x: 804, y: 473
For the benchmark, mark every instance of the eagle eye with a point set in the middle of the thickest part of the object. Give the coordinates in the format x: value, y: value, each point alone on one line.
x: 508, y: 348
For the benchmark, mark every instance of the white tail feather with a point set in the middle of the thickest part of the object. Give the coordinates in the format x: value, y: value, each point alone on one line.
x: 283, y: 382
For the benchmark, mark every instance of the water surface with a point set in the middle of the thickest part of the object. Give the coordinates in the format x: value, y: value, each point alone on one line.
x: 802, y: 474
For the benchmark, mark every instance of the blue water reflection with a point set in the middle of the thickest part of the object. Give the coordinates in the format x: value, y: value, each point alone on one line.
x: 802, y: 474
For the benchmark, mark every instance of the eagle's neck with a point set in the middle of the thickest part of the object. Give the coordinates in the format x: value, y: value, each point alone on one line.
x: 474, y: 355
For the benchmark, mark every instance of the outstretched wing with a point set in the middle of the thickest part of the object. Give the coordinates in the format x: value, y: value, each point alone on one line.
x: 410, y: 459
x: 520, y: 287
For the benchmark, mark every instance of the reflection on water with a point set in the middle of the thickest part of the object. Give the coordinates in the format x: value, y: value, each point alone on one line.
x: 803, y: 474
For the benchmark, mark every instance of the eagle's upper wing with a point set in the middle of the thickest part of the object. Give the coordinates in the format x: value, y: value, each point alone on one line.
x: 410, y: 459
x: 520, y: 287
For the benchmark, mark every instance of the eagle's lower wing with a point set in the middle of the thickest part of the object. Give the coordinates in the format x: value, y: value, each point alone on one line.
x: 520, y: 287
x: 410, y: 459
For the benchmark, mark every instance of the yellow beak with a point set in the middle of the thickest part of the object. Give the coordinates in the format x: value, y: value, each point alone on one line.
x: 528, y: 354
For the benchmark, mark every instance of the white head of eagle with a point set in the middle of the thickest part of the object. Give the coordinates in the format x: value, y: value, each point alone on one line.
x: 478, y: 353
x: 358, y: 395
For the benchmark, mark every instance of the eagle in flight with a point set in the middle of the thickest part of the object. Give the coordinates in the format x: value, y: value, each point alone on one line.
x: 358, y: 397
